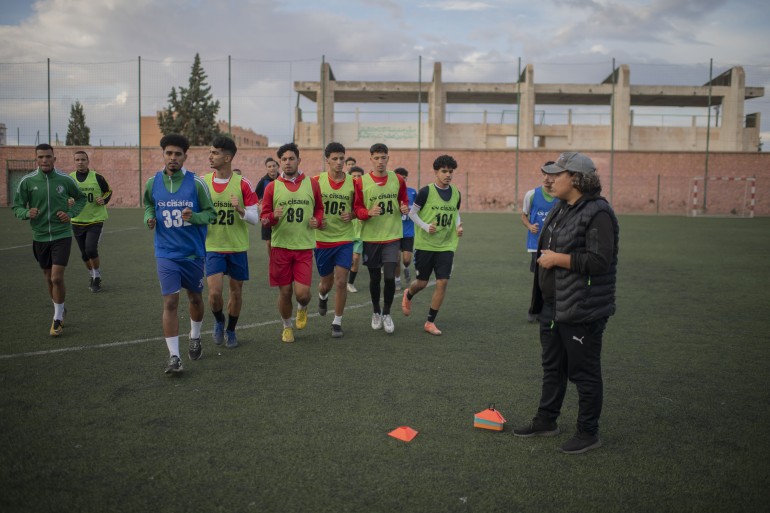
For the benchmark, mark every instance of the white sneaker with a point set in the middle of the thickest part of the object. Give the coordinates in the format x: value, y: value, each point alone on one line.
x: 398, y: 284
x: 352, y: 288
x: 387, y: 322
x: 377, y: 321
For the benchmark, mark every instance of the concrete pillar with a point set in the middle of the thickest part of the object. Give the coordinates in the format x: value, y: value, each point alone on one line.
x: 526, y: 128
x: 731, y: 131
x: 436, y: 109
x: 622, y: 108
x: 326, y: 106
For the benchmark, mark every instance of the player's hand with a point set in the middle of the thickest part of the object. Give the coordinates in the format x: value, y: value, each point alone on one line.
x: 151, y: 223
x: 404, y: 208
x: 460, y: 231
x: 33, y: 213
x: 547, y: 259
x: 187, y: 214
x: 313, y: 222
x: 346, y: 216
x: 534, y: 228
x: 99, y: 201
x: 278, y: 212
x: 236, y: 203
x: 375, y: 211
x: 70, y: 202
x: 432, y: 228
x: 63, y: 216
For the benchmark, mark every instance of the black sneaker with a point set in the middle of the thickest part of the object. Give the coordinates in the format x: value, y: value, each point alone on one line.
x: 322, y: 308
x: 580, y: 443
x: 196, y: 350
x: 336, y: 331
x: 174, y: 365
x: 96, y: 284
x: 538, y: 427
x: 91, y: 283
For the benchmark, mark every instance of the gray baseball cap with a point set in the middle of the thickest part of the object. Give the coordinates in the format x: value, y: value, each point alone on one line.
x: 571, y: 161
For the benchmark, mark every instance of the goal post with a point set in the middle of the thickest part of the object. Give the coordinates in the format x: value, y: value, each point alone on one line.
x: 727, y: 196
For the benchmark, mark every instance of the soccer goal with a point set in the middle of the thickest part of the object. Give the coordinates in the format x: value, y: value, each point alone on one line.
x: 727, y: 196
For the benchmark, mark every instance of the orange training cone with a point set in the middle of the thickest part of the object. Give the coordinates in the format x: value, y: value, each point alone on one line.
x: 403, y: 433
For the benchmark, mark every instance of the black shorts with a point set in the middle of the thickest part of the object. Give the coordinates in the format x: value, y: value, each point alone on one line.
x: 377, y: 254
x: 407, y: 244
x: 88, y: 236
x: 267, y: 232
x: 49, y: 254
x: 437, y: 262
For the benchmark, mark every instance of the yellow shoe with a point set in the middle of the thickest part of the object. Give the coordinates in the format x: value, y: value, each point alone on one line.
x: 301, y: 319
x: 56, y: 328
x: 287, y: 335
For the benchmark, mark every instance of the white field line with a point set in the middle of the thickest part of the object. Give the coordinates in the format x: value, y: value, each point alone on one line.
x: 161, y: 339
x: 30, y: 244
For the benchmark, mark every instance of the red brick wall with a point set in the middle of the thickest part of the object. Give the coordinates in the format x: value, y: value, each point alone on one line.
x: 641, y: 182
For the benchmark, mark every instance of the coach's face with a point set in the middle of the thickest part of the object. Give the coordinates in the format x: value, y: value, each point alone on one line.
x: 173, y: 158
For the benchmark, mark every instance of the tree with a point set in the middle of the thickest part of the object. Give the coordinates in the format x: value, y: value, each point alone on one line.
x: 78, y: 133
x: 192, y: 112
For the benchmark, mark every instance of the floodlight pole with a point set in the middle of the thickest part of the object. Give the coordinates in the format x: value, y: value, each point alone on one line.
x: 419, y: 117
x: 229, y: 100
x: 612, y: 128
x: 139, y: 113
x: 48, y: 60
x: 518, y: 139
x: 322, y: 103
x: 708, y: 138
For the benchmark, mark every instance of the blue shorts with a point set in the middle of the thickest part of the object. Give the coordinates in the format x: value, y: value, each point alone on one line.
x: 176, y: 274
x: 235, y: 265
x: 327, y: 258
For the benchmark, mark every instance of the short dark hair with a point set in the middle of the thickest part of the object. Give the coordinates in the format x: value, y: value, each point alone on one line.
x: 378, y: 148
x: 350, y: 159
x: 401, y: 171
x: 44, y: 146
x: 270, y: 159
x: 356, y: 169
x: 287, y: 147
x: 333, y: 147
x: 81, y: 151
x: 175, y: 140
x: 226, y: 144
x: 444, y: 161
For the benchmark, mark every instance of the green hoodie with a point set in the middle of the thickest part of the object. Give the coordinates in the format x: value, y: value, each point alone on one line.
x: 48, y: 192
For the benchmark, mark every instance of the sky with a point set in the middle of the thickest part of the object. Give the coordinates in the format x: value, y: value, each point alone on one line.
x: 566, y: 40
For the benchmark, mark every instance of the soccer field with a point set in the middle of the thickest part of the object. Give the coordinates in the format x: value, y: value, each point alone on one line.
x: 90, y: 423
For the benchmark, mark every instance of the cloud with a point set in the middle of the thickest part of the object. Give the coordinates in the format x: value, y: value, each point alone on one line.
x: 459, y: 5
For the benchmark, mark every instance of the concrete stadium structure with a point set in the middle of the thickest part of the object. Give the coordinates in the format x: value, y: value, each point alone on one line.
x: 736, y: 132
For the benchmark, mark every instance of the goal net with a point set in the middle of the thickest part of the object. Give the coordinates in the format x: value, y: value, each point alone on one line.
x: 725, y: 196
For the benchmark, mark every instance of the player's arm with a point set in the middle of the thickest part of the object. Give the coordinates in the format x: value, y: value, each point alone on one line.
x: 207, y: 214
x: 149, y: 204
x: 359, y: 208
x: 105, y: 188
x: 20, y: 201
x: 414, y: 212
x: 250, y: 203
x: 318, y: 209
x: 403, y: 196
x: 267, y: 216
x: 600, y: 245
x: 80, y: 199
x: 525, y: 209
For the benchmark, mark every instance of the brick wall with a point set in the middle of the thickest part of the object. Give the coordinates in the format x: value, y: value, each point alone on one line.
x: 641, y: 183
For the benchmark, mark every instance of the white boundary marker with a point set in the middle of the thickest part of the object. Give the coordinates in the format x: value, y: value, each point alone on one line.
x: 30, y: 245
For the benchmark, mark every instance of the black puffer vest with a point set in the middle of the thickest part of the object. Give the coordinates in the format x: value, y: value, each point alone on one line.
x: 579, y: 297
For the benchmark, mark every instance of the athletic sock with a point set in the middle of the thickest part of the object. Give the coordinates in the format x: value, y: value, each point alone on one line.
x: 337, y: 320
x: 323, y: 297
x: 58, y: 311
x: 432, y: 315
x: 97, y: 274
x: 232, y: 320
x: 409, y: 295
x: 301, y: 307
x: 352, y: 277
x: 286, y: 323
x: 173, y: 345
x: 195, y: 329
x: 219, y: 316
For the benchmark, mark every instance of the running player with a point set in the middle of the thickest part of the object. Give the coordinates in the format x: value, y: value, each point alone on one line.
x: 436, y: 212
x: 293, y: 206
x: 407, y: 241
x: 177, y: 203
x: 355, y: 173
x: 334, y: 242
x: 87, y: 226
x: 271, y: 168
x: 380, y: 201
x: 228, y: 237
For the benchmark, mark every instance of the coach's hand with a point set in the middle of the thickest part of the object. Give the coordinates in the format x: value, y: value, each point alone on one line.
x: 63, y: 216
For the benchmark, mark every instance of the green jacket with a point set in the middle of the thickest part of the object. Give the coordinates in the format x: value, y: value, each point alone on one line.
x: 48, y: 192
x: 207, y: 214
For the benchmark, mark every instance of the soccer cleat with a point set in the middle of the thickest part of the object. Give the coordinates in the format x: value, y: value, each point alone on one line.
x: 219, y: 333
x: 96, y: 284
x: 431, y: 328
x: 336, y: 331
x: 531, y: 317
x: 56, y: 328
x: 387, y: 323
x: 398, y: 284
x: 287, y: 335
x: 91, y: 283
x: 376, y: 321
x: 538, y: 427
x: 196, y: 350
x: 301, y: 319
x: 231, y: 341
x: 580, y: 443
x: 352, y: 288
x: 322, y: 306
x: 407, y: 276
x: 174, y: 365
x: 406, y: 304
x: 63, y: 315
